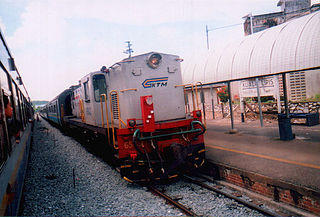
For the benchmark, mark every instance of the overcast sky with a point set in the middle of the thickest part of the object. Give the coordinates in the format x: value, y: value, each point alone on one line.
x: 56, y: 42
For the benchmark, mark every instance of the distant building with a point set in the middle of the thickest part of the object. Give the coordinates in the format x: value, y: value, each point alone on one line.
x: 289, y: 9
x: 300, y: 85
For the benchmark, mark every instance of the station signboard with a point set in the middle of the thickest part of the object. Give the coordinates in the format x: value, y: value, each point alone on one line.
x: 268, y: 86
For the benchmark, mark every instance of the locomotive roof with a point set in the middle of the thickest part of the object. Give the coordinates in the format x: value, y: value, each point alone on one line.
x: 147, y: 54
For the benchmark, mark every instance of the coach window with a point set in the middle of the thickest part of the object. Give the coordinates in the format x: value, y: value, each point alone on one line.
x: 4, y: 142
x: 99, y: 87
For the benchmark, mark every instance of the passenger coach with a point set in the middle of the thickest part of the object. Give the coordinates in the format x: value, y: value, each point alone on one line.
x: 16, y: 115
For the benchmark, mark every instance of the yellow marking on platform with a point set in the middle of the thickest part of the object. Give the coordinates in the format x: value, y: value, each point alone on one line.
x: 266, y: 157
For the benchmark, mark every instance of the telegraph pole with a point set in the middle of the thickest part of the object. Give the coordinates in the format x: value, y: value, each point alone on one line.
x: 222, y: 27
x: 129, y: 50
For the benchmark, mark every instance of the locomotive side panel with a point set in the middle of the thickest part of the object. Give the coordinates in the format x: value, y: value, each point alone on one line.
x: 134, y: 77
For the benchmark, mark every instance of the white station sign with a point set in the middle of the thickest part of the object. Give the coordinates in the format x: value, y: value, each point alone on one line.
x: 268, y: 86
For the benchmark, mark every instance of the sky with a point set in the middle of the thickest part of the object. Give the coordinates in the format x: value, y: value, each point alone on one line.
x: 57, y: 42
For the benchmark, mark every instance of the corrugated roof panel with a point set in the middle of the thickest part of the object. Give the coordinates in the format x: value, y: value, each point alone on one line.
x: 283, y: 53
x: 242, y: 57
x: 260, y: 59
x: 187, y: 74
x: 308, y: 49
x: 211, y: 67
x: 224, y: 63
x: 293, y: 45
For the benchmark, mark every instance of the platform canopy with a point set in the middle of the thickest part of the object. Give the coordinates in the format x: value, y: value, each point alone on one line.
x: 294, y: 45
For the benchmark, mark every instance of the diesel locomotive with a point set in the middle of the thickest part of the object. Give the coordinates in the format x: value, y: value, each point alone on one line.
x: 140, y: 105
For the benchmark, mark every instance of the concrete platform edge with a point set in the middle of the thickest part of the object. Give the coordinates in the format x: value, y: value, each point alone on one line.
x: 279, y: 190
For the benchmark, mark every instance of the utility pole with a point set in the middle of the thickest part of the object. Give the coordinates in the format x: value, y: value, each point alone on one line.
x: 207, y: 34
x: 129, y: 50
x: 222, y: 27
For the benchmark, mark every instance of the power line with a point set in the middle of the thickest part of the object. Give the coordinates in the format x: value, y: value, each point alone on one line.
x: 222, y: 27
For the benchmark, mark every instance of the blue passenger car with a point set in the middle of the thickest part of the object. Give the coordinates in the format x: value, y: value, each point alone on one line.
x: 60, y: 107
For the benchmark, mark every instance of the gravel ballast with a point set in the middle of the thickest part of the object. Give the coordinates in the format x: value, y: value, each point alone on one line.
x: 98, y: 191
x: 64, y: 179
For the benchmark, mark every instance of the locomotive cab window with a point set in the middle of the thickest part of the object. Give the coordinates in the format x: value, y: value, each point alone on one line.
x: 99, y: 87
x: 86, y: 91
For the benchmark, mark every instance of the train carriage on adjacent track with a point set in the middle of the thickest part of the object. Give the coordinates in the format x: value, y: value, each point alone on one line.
x: 16, y: 115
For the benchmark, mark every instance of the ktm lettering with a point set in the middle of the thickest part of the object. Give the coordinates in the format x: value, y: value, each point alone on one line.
x: 159, y: 84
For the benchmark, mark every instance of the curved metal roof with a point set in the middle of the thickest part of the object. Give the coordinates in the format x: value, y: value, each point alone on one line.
x: 294, y: 45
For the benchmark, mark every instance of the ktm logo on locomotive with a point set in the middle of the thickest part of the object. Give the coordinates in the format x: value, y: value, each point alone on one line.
x: 155, y: 82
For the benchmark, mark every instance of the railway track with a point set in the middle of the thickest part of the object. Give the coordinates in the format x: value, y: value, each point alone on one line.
x: 172, y: 201
x: 239, y: 200
x: 197, y: 211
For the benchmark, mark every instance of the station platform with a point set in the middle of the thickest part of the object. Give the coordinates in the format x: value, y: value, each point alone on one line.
x: 258, y: 150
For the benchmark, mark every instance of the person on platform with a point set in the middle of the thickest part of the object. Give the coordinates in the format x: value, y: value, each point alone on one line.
x: 13, y: 127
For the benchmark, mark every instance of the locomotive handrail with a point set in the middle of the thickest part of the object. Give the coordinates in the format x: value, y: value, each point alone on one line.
x: 135, y: 89
x: 196, y: 88
x: 107, y: 116
x: 82, y: 115
x: 119, y: 115
x: 137, y: 133
x: 202, y: 100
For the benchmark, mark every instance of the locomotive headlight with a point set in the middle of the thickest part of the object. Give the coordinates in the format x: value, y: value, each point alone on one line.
x: 132, y: 123
x: 154, y: 60
x: 198, y: 113
x: 149, y: 100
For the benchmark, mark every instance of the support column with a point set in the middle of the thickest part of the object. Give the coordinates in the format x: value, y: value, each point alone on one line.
x: 212, y: 102
x: 277, y: 93
x: 242, y: 109
x: 285, y: 96
x: 230, y: 106
x: 259, y: 102
x: 284, y: 122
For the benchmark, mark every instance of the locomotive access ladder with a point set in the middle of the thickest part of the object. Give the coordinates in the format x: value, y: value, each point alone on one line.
x: 115, y: 113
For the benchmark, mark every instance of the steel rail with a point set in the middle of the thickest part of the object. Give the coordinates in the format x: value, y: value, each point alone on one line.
x: 246, y: 203
x: 184, y: 209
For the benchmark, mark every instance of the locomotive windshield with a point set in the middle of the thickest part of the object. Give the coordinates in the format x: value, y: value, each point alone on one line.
x: 99, y: 87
